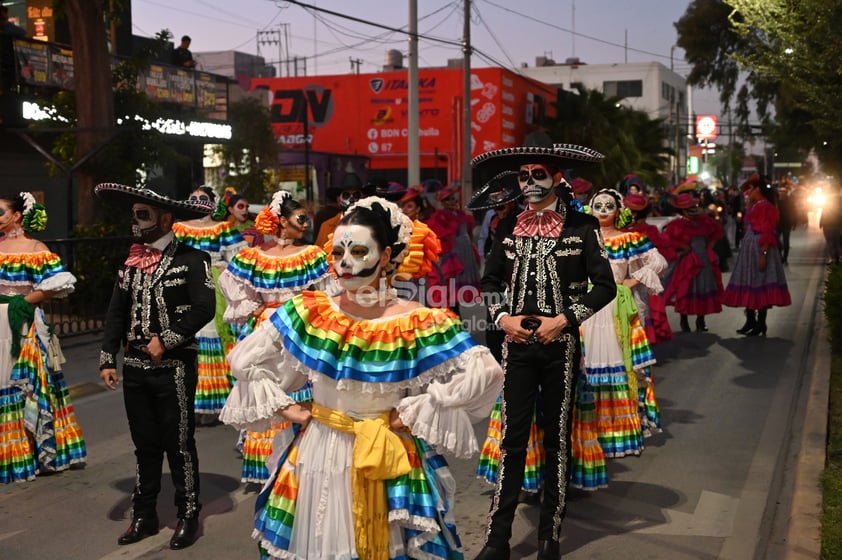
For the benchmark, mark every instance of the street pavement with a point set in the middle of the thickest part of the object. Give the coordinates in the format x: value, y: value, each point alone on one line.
x: 734, y: 475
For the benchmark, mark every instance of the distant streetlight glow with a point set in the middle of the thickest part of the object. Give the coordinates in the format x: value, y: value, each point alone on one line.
x: 789, y: 50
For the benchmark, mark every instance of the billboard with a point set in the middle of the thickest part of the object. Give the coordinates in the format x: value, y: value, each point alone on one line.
x: 368, y: 114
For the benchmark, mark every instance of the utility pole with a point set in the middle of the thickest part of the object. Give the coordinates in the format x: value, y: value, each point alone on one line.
x: 271, y: 37
x: 467, y: 182
x: 355, y: 64
x: 413, y: 164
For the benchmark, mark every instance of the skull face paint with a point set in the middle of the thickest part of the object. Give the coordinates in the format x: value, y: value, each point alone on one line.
x: 240, y: 210
x: 536, y: 182
x: 356, y: 256
x: 604, y: 206
x: 146, y: 224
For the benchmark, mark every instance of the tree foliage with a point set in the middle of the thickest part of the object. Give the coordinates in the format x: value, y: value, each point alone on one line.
x: 252, y: 151
x: 630, y: 140
x: 772, y: 54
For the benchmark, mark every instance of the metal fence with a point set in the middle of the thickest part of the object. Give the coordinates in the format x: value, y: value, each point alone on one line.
x: 94, y: 262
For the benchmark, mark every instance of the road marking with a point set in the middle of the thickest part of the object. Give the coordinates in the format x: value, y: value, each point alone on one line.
x: 4, y: 536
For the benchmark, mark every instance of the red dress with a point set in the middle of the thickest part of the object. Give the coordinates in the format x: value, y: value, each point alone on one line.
x: 657, y: 323
x: 695, y: 285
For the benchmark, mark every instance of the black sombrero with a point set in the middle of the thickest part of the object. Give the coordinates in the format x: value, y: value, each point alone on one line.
x: 563, y: 156
x: 124, y: 196
x: 501, y: 189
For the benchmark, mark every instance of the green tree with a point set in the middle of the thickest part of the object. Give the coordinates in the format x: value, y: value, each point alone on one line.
x: 630, y: 140
x: 252, y: 150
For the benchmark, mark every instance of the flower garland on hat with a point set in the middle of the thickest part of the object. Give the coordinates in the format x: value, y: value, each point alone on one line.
x: 34, y: 213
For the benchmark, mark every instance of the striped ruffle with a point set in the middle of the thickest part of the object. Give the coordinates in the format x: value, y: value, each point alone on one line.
x: 34, y: 269
x: 398, y: 349
x: 212, y: 239
x: 269, y: 272
x: 215, y: 379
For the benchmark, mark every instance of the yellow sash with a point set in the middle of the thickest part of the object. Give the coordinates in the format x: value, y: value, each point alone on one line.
x: 379, y: 455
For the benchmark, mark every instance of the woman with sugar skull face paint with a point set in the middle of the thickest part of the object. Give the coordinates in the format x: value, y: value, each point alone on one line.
x: 257, y: 281
x: 393, y: 383
x: 38, y: 428
x: 221, y: 241
x: 616, y: 396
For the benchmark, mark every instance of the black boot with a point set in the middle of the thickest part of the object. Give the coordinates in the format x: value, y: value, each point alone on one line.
x: 492, y: 553
x: 751, y: 321
x: 140, y: 528
x: 186, y: 533
x: 700, y: 324
x: 685, y: 325
x: 548, y: 550
x: 760, y: 328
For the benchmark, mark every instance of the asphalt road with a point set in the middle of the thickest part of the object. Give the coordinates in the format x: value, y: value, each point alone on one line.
x: 717, y: 483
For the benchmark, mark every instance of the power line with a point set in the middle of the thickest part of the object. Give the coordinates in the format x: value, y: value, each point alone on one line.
x: 572, y: 32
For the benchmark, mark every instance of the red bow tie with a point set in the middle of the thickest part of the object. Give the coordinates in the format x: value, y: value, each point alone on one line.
x: 143, y: 257
x: 541, y: 223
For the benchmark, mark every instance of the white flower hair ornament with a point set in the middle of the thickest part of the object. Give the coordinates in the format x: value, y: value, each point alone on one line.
x: 28, y: 201
x: 277, y: 200
x: 399, y: 222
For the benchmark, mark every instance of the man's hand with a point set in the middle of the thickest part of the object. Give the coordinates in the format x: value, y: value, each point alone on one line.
x: 110, y: 378
x: 550, y: 328
x: 511, y: 326
x: 296, y: 413
x: 396, y: 423
x: 155, y: 348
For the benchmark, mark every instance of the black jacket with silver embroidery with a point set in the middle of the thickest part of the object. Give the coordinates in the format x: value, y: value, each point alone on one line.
x: 546, y: 277
x: 173, y: 302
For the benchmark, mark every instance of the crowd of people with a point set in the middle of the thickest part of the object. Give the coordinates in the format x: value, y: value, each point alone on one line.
x: 296, y: 330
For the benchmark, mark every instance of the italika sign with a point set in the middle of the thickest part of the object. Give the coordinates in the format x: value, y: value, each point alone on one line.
x: 706, y: 127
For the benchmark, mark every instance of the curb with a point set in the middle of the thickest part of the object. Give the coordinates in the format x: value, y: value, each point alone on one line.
x: 803, y: 536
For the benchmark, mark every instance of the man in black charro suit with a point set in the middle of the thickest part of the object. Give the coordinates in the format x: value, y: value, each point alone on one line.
x: 163, y: 295
x: 536, y: 285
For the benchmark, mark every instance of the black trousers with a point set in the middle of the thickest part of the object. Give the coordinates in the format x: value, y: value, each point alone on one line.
x: 551, y: 369
x: 159, y: 405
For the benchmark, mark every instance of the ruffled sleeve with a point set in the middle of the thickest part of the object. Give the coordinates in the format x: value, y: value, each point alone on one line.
x: 763, y: 217
x: 241, y: 297
x: 50, y: 275
x: 646, y: 266
x: 265, y: 372
x: 444, y: 415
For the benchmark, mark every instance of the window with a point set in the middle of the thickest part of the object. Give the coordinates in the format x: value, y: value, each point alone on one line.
x: 625, y: 88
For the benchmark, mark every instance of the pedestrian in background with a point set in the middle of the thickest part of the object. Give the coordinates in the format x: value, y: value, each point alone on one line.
x: 163, y: 295
x: 831, y: 225
x: 181, y: 55
x: 758, y: 281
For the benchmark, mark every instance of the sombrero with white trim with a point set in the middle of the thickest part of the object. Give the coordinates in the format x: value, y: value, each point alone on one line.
x: 563, y: 156
x: 500, y: 190
x: 124, y: 196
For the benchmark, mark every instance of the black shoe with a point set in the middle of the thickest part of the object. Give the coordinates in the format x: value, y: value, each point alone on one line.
x: 548, y: 550
x: 700, y: 324
x: 491, y: 553
x: 751, y: 322
x: 186, y: 533
x: 758, y: 330
x: 685, y: 325
x: 140, y: 528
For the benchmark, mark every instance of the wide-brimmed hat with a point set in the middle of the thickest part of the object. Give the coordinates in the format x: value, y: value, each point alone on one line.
x: 635, y: 202
x: 412, y: 193
x: 754, y: 181
x: 392, y: 192
x: 447, y: 192
x: 563, y: 156
x: 683, y: 201
x: 500, y: 190
x: 125, y: 196
x: 580, y: 185
x: 690, y: 185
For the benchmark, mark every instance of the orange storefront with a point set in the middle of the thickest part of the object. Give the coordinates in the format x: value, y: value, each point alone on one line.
x: 367, y: 114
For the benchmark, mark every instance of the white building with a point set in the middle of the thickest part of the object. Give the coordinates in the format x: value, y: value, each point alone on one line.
x: 645, y: 86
